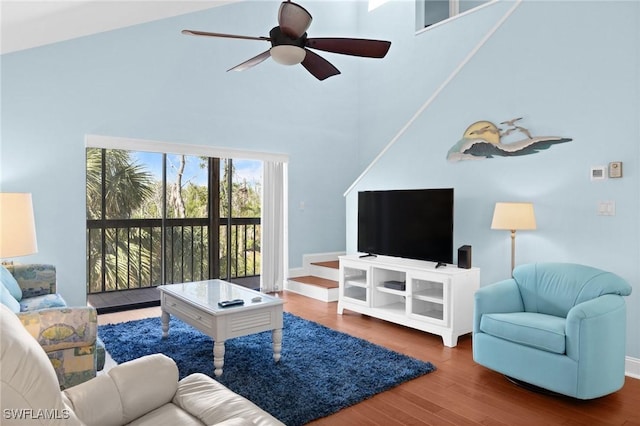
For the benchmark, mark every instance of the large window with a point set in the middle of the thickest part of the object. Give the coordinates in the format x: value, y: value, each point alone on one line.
x: 155, y: 218
x: 431, y: 12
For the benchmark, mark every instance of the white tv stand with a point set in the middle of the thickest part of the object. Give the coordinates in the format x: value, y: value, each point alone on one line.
x: 438, y: 301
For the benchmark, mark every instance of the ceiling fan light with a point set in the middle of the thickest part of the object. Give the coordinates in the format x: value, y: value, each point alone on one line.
x: 293, y: 19
x: 287, y: 54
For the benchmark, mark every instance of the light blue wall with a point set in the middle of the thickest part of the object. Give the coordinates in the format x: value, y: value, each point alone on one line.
x: 570, y: 69
x: 151, y: 82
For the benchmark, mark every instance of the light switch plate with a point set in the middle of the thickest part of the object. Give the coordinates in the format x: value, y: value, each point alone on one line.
x: 607, y: 208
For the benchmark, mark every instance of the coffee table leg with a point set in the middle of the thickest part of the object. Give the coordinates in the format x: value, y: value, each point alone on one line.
x: 165, y: 324
x: 276, y: 337
x: 218, y: 357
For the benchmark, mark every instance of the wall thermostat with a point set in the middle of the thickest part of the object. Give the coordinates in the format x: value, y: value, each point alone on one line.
x: 598, y: 173
x: 615, y: 169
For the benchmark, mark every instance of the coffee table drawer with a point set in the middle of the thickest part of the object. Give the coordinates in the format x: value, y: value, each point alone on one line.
x: 188, y: 312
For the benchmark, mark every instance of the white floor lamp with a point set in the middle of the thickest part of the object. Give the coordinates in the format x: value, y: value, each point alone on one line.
x: 514, y: 217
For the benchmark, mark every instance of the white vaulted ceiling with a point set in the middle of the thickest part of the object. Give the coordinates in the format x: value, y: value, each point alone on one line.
x: 27, y: 23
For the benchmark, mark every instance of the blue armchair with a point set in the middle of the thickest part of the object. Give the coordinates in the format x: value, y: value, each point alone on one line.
x: 558, y: 326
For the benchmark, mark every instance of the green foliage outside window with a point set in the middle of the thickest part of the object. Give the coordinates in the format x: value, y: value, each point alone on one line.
x: 132, y: 231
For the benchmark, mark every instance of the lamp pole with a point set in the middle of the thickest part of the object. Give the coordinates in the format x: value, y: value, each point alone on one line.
x: 513, y: 250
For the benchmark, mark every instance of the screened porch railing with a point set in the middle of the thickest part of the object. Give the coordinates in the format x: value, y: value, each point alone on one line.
x: 125, y: 254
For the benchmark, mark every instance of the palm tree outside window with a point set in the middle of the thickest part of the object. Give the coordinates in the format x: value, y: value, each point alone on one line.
x: 150, y: 216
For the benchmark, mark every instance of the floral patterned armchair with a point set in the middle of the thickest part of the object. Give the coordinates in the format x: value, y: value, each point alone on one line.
x: 68, y: 335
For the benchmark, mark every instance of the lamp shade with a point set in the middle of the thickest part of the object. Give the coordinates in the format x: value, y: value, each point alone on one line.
x: 17, y: 225
x: 514, y: 216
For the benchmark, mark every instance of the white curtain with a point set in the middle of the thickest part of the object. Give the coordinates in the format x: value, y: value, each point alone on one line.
x: 274, y: 227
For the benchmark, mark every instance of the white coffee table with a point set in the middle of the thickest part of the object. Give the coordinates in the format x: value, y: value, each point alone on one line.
x: 196, y: 303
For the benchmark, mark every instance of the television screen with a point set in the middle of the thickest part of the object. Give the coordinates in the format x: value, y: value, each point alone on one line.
x: 412, y: 223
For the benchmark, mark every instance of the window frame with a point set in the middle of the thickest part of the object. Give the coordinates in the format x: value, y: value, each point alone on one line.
x: 454, y: 13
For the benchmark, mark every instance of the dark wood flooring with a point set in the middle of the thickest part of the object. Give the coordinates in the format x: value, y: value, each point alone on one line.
x: 460, y: 392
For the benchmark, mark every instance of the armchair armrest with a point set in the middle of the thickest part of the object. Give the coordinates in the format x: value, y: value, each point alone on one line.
x: 61, y: 328
x: 126, y: 392
x: 501, y: 297
x: 596, y: 330
x: 596, y: 339
x: 34, y: 279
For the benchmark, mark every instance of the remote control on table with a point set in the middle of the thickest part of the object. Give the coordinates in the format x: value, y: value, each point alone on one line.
x: 227, y: 303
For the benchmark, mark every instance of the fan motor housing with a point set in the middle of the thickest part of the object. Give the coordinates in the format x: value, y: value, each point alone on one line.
x: 279, y: 39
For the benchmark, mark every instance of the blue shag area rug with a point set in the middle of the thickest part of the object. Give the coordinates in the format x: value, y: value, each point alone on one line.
x: 321, y: 370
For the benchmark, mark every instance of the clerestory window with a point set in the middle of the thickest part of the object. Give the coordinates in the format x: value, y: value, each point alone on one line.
x: 431, y: 12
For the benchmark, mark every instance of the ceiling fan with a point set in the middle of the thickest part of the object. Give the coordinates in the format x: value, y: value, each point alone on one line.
x: 290, y: 44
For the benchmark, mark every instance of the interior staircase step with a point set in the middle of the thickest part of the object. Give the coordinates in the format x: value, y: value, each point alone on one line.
x: 333, y: 264
x: 316, y: 281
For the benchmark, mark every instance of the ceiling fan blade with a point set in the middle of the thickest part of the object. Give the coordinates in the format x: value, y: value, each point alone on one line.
x: 207, y: 34
x: 318, y: 66
x: 293, y: 19
x: 351, y: 46
x: 251, y: 62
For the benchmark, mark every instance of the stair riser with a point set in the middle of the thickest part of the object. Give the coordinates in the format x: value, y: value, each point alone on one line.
x: 320, y: 257
x: 315, y: 292
x: 324, y: 272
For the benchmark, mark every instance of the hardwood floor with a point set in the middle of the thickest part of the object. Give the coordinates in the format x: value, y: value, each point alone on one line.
x: 460, y: 392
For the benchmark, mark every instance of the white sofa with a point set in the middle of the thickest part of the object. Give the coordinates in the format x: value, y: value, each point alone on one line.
x: 145, y: 391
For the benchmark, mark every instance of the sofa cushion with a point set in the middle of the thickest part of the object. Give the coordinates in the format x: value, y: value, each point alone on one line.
x: 213, y: 403
x: 47, y: 301
x: 96, y: 401
x: 167, y: 415
x: 540, y: 331
x: 144, y: 384
x: 8, y: 300
x: 10, y: 283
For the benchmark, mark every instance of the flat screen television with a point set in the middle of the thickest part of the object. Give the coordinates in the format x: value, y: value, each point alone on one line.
x: 411, y: 223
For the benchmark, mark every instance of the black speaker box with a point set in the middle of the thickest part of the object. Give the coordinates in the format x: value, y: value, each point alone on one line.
x: 464, y: 257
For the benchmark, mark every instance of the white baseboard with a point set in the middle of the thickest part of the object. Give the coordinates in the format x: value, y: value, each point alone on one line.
x: 297, y: 272
x: 632, y: 367
x: 321, y: 257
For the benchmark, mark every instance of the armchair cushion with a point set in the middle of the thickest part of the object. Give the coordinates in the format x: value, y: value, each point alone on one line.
x: 555, y: 288
x: 10, y: 283
x: 8, y: 300
x: 539, y: 331
x: 45, y: 301
x: 34, y: 279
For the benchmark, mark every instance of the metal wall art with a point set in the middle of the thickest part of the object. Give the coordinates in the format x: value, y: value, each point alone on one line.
x: 483, y: 139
